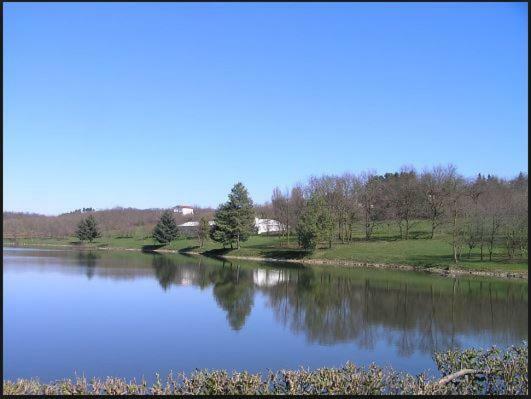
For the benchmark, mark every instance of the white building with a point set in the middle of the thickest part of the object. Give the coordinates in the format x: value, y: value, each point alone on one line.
x: 267, y: 225
x: 194, y: 224
x: 262, y: 225
x: 184, y: 210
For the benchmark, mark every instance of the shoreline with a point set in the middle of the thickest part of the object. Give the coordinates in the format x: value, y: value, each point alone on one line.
x: 445, y: 272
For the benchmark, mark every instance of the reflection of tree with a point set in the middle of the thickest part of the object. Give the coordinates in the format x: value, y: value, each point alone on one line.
x: 330, y: 308
x: 232, y: 286
x: 165, y: 270
x: 234, y: 293
x: 88, y: 260
x: 203, y: 280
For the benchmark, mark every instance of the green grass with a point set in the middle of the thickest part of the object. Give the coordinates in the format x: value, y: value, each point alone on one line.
x: 385, y: 247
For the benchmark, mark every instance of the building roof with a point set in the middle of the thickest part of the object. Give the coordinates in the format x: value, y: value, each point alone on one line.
x: 194, y: 224
x: 183, y: 206
x: 189, y: 224
x: 265, y: 221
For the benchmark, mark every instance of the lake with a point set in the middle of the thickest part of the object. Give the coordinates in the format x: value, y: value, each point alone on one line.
x: 132, y: 314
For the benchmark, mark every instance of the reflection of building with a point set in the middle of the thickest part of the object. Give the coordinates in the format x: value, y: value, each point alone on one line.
x: 187, y: 277
x: 184, y: 210
x: 267, y: 278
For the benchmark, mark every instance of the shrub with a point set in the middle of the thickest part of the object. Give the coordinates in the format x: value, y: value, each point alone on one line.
x: 494, y: 372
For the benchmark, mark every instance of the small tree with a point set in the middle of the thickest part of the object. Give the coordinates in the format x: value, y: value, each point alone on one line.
x: 202, y: 231
x: 234, y: 219
x: 87, y: 229
x: 307, y: 233
x: 316, y: 224
x: 166, y: 229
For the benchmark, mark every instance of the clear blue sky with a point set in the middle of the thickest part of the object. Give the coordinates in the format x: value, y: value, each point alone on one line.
x: 151, y: 105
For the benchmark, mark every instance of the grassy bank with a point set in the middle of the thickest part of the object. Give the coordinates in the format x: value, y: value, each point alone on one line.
x: 469, y: 371
x: 420, y: 252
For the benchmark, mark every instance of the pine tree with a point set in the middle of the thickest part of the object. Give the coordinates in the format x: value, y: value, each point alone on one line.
x: 166, y: 229
x: 87, y: 229
x: 81, y: 231
x: 235, y: 218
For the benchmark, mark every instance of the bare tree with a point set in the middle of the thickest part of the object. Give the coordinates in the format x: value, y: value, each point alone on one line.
x: 370, y: 194
x: 515, y: 225
x: 455, y: 208
x: 475, y: 215
x: 494, y: 203
x: 435, y: 186
x: 403, y: 198
x: 281, y: 210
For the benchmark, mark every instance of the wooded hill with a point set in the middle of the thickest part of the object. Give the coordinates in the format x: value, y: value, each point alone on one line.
x: 119, y: 221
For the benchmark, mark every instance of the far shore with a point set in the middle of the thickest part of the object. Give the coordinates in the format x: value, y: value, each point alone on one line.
x: 448, y: 271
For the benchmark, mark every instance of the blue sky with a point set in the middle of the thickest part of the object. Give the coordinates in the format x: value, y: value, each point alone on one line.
x: 151, y: 105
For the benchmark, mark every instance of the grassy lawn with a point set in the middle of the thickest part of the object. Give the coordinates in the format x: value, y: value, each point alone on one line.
x: 385, y: 247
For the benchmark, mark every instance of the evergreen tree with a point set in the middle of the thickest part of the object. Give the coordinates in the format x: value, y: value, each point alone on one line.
x: 235, y: 218
x: 87, y: 229
x: 219, y: 235
x: 166, y: 229
x: 316, y: 224
x: 203, y: 231
x: 81, y: 231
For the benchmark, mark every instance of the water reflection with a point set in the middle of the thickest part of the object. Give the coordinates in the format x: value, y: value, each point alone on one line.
x: 88, y: 260
x: 166, y: 271
x: 234, y: 293
x: 328, y: 307
x: 410, y: 311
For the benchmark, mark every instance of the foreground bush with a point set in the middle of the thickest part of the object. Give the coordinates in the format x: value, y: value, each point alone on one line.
x: 463, y: 372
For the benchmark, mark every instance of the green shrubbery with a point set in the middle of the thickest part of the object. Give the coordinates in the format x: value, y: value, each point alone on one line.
x: 494, y: 372
x: 87, y: 229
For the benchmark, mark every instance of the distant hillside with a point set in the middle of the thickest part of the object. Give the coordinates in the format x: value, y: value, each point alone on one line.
x: 123, y: 221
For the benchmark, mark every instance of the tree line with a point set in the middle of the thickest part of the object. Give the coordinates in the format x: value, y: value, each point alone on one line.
x: 479, y: 212
x: 123, y: 222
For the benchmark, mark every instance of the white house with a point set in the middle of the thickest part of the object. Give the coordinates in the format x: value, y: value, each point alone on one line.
x: 262, y: 225
x: 184, y: 210
x: 267, y: 225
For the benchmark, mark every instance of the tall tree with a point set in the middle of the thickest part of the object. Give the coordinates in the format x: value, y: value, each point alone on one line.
x: 234, y: 219
x: 166, y: 229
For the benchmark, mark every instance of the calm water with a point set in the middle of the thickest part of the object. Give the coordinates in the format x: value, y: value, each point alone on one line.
x: 132, y: 314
